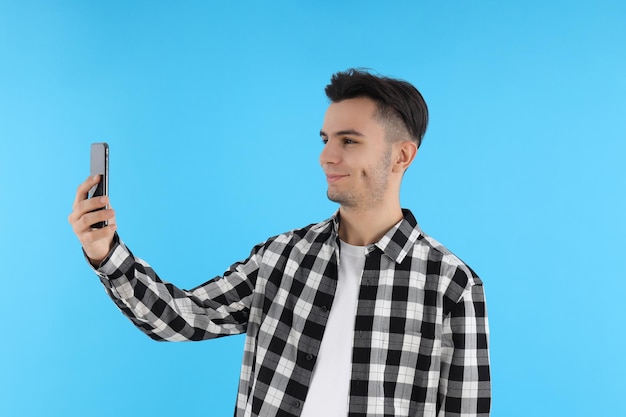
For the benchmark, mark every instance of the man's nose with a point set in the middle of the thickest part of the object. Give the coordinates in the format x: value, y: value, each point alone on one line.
x: 330, y: 154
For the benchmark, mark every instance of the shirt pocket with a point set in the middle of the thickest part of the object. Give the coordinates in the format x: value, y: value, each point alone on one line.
x: 411, y: 350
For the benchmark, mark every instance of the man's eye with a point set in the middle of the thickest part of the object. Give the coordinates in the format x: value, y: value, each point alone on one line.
x: 324, y: 141
x: 348, y: 141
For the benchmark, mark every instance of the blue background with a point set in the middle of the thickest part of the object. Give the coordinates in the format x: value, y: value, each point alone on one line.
x: 212, y: 111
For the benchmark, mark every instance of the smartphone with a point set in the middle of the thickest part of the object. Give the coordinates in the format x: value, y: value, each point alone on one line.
x: 100, y: 166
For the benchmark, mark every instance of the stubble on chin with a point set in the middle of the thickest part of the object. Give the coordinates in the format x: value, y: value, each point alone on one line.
x: 343, y: 199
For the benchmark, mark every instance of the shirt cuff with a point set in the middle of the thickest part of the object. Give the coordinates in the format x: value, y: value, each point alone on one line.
x: 117, y: 262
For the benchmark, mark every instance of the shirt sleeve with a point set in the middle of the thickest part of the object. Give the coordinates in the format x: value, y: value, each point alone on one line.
x: 164, y: 312
x: 465, y: 382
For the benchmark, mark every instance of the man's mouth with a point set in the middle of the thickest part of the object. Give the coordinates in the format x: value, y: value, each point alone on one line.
x: 332, y: 178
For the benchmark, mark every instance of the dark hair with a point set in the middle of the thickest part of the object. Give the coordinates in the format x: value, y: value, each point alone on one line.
x: 397, y: 101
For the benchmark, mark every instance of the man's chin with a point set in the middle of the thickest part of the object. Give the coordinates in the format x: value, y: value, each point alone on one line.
x: 333, y: 197
x: 341, y: 199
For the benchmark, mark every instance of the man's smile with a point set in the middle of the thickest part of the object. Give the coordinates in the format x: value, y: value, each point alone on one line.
x: 332, y: 178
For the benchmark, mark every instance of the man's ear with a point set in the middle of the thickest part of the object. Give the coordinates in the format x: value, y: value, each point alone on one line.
x: 404, y: 154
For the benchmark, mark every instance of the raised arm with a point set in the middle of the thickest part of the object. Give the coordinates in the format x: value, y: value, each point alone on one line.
x: 160, y: 309
x: 163, y: 311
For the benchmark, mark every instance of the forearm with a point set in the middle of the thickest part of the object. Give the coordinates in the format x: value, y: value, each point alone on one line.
x: 163, y: 311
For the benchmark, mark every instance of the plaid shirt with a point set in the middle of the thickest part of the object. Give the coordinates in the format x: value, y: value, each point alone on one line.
x: 420, y: 343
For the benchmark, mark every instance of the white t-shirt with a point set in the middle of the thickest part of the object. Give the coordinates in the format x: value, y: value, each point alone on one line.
x: 330, y: 383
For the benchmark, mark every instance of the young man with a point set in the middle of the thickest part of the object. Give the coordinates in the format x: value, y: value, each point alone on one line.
x: 360, y: 315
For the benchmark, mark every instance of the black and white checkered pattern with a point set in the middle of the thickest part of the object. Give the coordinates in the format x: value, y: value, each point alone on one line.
x: 420, y: 337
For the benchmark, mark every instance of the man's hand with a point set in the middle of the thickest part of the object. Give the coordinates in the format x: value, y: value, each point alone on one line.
x: 96, y: 242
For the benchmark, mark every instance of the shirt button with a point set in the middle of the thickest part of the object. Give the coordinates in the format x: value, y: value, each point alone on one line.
x: 309, y: 357
x: 324, y: 309
x: 296, y: 404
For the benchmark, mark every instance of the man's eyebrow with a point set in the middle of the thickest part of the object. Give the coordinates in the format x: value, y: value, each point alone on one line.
x: 349, y: 132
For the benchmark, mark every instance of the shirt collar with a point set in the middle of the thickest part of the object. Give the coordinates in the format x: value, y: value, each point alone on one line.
x: 398, y: 241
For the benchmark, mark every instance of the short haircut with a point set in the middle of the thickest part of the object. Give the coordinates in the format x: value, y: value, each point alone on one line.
x: 398, y: 103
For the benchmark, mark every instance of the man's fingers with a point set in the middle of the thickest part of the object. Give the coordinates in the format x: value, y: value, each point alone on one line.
x: 83, y: 189
x: 86, y: 212
x: 89, y: 211
x: 91, y: 204
x: 86, y: 220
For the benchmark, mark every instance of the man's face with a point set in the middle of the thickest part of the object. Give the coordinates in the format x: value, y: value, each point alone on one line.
x: 356, y: 157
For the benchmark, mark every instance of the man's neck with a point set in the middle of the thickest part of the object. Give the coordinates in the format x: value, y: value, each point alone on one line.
x: 363, y: 227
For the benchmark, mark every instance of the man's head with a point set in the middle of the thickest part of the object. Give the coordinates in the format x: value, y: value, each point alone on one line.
x: 368, y: 144
x: 399, y: 106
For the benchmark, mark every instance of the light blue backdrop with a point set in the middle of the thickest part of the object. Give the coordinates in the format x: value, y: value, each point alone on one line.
x: 212, y: 111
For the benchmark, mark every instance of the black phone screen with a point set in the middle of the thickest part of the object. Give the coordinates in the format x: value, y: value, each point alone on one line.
x: 99, y: 166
